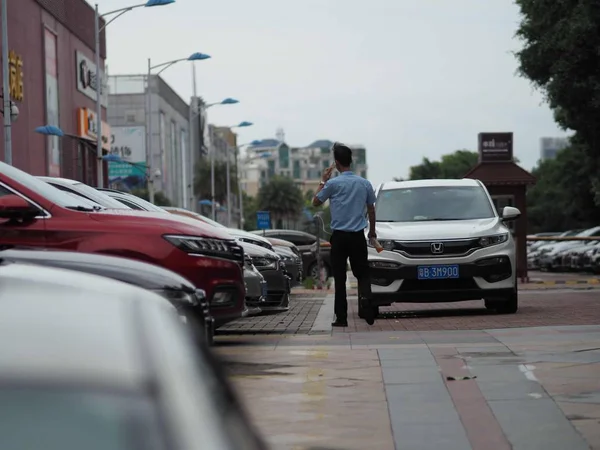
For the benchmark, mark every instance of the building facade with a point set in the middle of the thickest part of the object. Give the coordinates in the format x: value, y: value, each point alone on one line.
x: 304, y: 165
x: 164, y: 146
x: 53, y: 80
x: 550, y: 146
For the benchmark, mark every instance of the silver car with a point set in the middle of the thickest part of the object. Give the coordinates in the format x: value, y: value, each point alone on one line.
x: 91, y: 363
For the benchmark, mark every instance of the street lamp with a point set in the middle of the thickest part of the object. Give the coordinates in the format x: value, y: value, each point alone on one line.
x: 194, y: 112
x: 163, y: 66
x: 212, y: 176
x: 99, y: 81
x: 239, y: 179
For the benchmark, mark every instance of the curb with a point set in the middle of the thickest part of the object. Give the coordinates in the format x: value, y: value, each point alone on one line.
x: 565, y: 282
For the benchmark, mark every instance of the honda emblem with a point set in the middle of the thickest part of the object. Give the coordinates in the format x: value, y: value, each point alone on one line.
x: 437, y: 248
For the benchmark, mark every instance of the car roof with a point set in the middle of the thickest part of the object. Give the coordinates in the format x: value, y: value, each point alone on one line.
x: 56, y: 326
x: 60, y: 180
x: 146, y: 275
x: 428, y: 183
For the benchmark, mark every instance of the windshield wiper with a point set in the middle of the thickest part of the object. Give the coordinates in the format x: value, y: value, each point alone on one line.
x: 439, y: 219
x: 378, y: 220
x: 81, y: 208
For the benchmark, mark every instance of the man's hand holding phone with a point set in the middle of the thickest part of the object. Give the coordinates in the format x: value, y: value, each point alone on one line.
x: 327, y: 173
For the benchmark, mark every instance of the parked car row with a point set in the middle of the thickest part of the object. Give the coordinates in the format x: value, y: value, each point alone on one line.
x: 566, y: 255
x: 225, y: 273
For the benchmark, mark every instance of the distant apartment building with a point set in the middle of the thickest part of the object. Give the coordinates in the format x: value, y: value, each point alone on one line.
x: 171, y: 163
x: 550, y: 146
x: 303, y: 164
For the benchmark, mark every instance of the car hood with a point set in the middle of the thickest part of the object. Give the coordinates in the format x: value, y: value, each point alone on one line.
x: 245, y: 234
x: 144, y: 275
x: 256, y: 250
x: 452, y: 229
x: 167, y: 222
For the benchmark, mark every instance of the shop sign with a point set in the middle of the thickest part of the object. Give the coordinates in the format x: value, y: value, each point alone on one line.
x: 87, y: 78
x: 15, y: 77
x: 495, y: 147
x: 87, y: 127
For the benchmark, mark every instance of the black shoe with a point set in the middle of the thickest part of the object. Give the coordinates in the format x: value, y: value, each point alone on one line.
x: 340, y: 323
x: 366, y: 311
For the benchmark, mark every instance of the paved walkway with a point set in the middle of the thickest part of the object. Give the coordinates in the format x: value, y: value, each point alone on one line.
x: 519, y: 388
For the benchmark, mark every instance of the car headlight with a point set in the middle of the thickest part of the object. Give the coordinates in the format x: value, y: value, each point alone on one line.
x: 263, y: 262
x: 386, y: 244
x: 200, y: 245
x: 496, y: 239
x: 384, y: 265
x: 177, y: 297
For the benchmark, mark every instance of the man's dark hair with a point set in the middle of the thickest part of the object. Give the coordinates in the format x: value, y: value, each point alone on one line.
x: 342, y: 154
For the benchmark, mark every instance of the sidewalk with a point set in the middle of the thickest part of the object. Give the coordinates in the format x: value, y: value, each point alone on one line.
x: 535, y: 388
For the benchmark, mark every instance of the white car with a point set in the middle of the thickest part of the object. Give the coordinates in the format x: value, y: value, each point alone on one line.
x: 443, y: 242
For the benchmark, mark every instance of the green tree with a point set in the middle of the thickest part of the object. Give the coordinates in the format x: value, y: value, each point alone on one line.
x: 160, y: 199
x: 282, y: 198
x: 453, y: 165
x: 559, y: 200
x: 250, y: 209
x: 561, y: 44
x: 202, y: 180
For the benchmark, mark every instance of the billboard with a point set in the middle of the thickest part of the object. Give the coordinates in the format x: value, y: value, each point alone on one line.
x: 87, y: 78
x: 495, y: 147
x: 129, y: 144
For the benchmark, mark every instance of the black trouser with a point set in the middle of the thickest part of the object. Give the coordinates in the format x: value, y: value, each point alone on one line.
x: 349, y: 245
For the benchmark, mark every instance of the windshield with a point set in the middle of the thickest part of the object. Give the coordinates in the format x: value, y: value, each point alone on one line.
x: 97, y: 196
x: 146, y: 205
x: 41, y: 187
x: 58, y: 419
x: 433, y: 203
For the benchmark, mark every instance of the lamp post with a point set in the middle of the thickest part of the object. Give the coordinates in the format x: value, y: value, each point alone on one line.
x: 194, y: 112
x: 5, y: 86
x: 227, y: 169
x: 99, y: 81
x: 149, y: 154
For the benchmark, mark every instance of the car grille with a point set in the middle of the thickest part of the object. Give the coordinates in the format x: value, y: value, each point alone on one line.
x: 438, y: 285
x: 424, y: 249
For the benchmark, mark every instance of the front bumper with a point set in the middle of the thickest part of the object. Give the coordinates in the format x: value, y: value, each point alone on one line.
x: 221, y: 279
x: 278, y: 290
x: 486, y: 273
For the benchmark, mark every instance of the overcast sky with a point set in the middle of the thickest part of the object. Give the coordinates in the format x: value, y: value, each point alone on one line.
x: 406, y: 78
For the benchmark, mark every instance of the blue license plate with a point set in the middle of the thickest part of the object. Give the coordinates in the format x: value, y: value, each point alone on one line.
x: 264, y: 289
x: 441, y: 272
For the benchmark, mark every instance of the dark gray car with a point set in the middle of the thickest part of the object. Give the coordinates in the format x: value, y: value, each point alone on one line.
x: 189, y: 301
x: 273, y: 270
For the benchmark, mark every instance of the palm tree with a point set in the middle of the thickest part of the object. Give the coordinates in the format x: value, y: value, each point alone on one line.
x: 202, y: 180
x: 282, y: 198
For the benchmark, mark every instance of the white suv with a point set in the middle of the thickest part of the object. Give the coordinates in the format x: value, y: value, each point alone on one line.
x: 443, y: 242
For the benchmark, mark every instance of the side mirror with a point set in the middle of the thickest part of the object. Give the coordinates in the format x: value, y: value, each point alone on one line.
x: 510, y: 213
x: 14, y: 207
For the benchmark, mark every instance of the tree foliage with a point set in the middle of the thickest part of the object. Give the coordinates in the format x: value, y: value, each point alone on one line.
x: 202, y: 180
x: 560, y: 200
x: 452, y: 165
x: 561, y: 57
x: 282, y: 198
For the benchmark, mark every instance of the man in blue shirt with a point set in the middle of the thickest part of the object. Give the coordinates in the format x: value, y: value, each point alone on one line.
x: 349, y: 195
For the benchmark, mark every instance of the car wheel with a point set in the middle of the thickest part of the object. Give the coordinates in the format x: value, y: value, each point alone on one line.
x: 507, y: 305
x: 314, y: 271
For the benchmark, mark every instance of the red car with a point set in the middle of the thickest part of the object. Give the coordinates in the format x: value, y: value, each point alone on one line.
x: 35, y: 214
